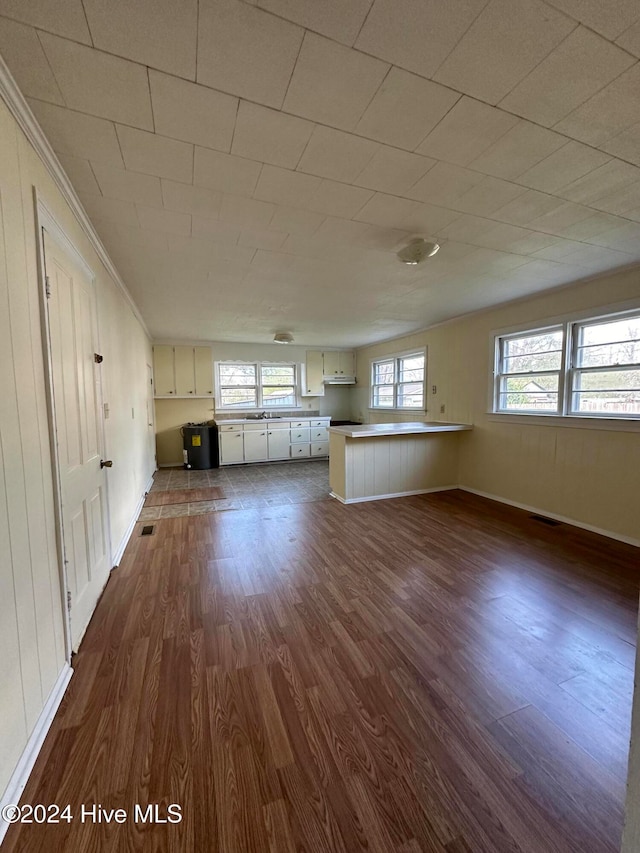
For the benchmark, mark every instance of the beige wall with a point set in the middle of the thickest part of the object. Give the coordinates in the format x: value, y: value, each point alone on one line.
x: 588, y: 475
x: 172, y: 414
x: 31, y: 625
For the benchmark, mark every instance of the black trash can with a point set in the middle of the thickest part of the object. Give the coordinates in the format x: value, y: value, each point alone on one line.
x: 197, y: 446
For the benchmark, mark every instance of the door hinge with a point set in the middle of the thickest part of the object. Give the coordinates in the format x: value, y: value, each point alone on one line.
x: 47, y: 286
x: 98, y: 358
x: 69, y: 600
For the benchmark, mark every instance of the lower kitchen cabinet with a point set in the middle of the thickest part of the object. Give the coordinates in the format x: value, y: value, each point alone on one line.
x: 300, y: 451
x: 231, y: 447
x: 320, y: 448
x: 278, y: 443
x: 255, y: 446
x: 262, y: 441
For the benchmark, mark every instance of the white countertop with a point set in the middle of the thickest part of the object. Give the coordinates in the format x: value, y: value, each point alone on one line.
x: 286, y: 419
x: 369, y: 430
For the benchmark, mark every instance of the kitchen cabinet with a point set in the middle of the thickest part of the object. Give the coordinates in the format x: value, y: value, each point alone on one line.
x: 278, y: 443
x: 338, y: 363
x: 231, y: 447
x: 312, y: 375
x: 300, y: 435
x: 265, y: 440
x: 320, y: 448
x: 255, y: 445
x: 182, y: 371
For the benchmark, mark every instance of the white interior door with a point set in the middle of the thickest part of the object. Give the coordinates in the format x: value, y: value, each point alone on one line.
x: 77, y: 402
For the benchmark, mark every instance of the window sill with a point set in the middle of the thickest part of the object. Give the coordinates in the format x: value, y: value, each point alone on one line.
x: 570, y: 421
x: 399, y: 411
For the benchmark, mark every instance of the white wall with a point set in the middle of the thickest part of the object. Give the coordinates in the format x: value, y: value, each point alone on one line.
x: 31, y: 624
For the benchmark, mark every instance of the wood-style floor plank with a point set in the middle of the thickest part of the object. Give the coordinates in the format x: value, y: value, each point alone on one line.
x: 438, y: 673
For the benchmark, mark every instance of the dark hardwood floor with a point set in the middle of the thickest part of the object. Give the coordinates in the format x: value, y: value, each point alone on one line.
x: 437, y: 673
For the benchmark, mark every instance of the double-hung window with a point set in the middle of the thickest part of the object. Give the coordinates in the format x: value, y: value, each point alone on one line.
x: 397, y: 381
x: 256, y: 385
x: 580, y: 368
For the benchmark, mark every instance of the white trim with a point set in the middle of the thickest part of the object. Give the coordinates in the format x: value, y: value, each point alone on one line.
x: 20, y: 110
x: 393, y: 495
x: 620, y: 424
x: 20, y: 775
x: 629, y: 540
x: 127, y: 535
x: 179, y: 464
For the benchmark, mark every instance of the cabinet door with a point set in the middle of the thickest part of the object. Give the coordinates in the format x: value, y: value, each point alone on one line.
x: 163, y: 375
x: 185, y: 372
x: 204, y: 371
x: 331, y: 363
x: 231, y: 447
x: 255, y: 446
x: 347, y: 364
x: 278, y: 443
x: 313, y: 386
x: 320, y: 448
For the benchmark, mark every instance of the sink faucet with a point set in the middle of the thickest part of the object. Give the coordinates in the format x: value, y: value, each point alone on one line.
x: 263, y: 415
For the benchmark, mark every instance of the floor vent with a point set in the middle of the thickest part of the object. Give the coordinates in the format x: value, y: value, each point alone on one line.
x: 147, y: 530
x: 550, y: 521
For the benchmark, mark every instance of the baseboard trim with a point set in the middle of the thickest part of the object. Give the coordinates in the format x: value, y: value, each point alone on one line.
x: 393, y: 495
x: 628, y: 540
x: 20, y: 775
x: 125, y: 539
x: 179, y: 464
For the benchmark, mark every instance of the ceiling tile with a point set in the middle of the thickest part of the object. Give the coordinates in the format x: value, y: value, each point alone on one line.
x: 246, y: 212
x: 99, y: 84
x: 444, y: 183
x: 333, y: 18
x: 245, y: 51
x: 505, y: 42
x: 614, y: 109
x: 295, y: 221
x: 467, y: 228
x: 80, y: 174
x: 416, y: 34
x: 488, y: 196
x: 212, y: 229
x: 614, y: 175
x: 559, y: 220
x: 564, y: 166
x: 393, y: 171
x: 283, y: 186
x: 128, y: 186
x: 578, y: 68
x: 122, y: 213
x: 518, y: 150
x: 405, y: 109
x: 621, y: 201
x: 262, y: 239
x: 467, y: 130
x: 192, y: 113
x: 388, y: 211
x: 428, y: 219
x: 156, y: 155
x: 74, y: 133
x: 609, y: 19
x: 218, y: 171
x: 159, y: 33
x: 337, y: 230
x: 332, y: 83
x: 270, y: 136
x: 187, y: 199
x: 336, y: 154
x: 625, y: 145
x: 526, y: 207
x: 64, y: 17
x: 593, y: 226
x: 630, y: 38
x: 167, y: 221
x: 21, y: 50
x: 336, y: 199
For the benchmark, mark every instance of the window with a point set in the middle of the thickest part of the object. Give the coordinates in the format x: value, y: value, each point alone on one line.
x: 580, y: 368
x: 243, y: 385
x: 397, y: 382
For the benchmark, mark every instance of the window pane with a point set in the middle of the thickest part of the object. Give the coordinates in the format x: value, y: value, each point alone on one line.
x: 411, y: 369
x: 527, y: 393
x: 278, y: 374
x: 237, y: 374
x: 603, y: 355
x: 617, y: 330
x: 278, y: 396
x: 529, y: 353
x: 383, y: 372
x: 239, y: 398
x: 411, y: 395
x: 615, y: 392
x: 383, y: 396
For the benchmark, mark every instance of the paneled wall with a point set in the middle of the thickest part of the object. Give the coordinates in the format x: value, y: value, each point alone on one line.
x: 31, y: 625
x: 586, y: 473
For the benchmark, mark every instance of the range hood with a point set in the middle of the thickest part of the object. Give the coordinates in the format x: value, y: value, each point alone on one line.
x: 338, y: 379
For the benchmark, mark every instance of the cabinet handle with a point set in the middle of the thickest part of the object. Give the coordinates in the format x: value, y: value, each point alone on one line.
x: 171, y: 392
x: 191, y: 392
x: 238, y: 435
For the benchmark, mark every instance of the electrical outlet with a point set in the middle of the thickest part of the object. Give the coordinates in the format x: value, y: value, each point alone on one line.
x: 434, y: 390
x: 442, y: 409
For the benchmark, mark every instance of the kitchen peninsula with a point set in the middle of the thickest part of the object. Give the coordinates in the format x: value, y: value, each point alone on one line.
x: 377, y: 461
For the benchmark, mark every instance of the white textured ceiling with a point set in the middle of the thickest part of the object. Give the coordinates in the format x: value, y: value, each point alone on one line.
x: 254, y: 166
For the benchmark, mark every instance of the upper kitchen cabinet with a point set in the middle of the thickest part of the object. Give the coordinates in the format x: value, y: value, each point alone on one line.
x: 312, y: 375
x: 339, y: 363
x: 183, y: 371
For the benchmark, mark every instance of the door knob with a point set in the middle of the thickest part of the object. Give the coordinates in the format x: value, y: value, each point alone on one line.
x: 106, y: 463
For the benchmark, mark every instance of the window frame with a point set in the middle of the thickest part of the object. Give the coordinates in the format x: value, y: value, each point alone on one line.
x: 569, y: 369
x: 259, y: 386
x: 396, y: 357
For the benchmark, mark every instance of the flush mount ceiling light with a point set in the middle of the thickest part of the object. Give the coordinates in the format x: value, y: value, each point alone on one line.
x: 417, y: 251
x: 283, y: 338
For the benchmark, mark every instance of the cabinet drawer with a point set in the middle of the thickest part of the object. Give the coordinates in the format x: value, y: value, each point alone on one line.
x: 322, y: 422
x: 320, y: 448
x: 297, y: 424
x: 278, y: 424
x: 298, y: 435
x: 259, y: 425
x: 300, y: 450
x: 319, y: 434
x: 229, y: 427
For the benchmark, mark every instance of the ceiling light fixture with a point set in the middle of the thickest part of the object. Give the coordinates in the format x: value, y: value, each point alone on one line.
x: 417, y: 251
x: 283, y: 338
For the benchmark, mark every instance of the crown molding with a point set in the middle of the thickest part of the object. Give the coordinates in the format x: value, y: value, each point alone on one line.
x: 21, y: 111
